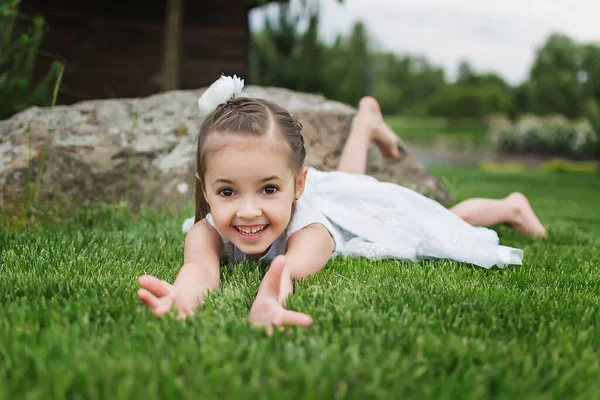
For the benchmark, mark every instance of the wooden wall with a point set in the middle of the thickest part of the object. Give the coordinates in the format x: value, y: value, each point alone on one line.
x: 115, y: 48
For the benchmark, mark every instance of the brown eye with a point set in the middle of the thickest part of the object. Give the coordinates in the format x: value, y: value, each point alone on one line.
x: 270, y: 190
x: 225, y: 193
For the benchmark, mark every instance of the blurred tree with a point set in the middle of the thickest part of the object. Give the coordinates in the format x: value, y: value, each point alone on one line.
x: 559, y: 52
x: 309, y: 58
x: 288, y: 53
x: 424, y: 81
x: 564, y: 79
x: 557, y: 92
x: 284, y: 55
x: 589, y: 75
x: 473, y: 95
x: 494, y: 80
x: 390, y: 77
x: 271, y: 56
x: 522, y: 99
x: 347, y: 66
x: 592, y: 114
x: 404, y: 84
x: 469, y: 101
x: 466, y: 74
x: 555, y: 78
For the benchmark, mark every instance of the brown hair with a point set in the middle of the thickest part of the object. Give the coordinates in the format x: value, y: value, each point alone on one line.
x: 247, y: 116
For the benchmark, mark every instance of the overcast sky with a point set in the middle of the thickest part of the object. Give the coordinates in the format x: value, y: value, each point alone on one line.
x: 493, y: 35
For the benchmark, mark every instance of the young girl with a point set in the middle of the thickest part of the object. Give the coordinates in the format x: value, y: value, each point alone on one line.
x: 255, y: 200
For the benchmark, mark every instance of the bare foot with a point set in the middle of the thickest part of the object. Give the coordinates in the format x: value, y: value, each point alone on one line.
x: 525, y: 220
x: 386, y: 140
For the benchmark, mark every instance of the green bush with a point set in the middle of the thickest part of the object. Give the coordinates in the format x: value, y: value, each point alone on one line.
x: 592, y: 113
x: 469, y: 101
x: 547, y: 135
x: 17, y: 62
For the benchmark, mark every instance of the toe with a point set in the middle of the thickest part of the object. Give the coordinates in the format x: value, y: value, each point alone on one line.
x: 369, y: 103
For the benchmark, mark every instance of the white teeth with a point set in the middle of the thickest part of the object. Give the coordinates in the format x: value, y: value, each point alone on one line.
x: 253, y: 231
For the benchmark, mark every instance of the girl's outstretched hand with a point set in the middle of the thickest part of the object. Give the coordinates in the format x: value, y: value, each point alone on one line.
x: 267, y: 310
x: 160, y: 296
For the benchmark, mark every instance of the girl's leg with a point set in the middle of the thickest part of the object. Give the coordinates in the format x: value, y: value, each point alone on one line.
x: 367, y: 125
x: 513, y: 210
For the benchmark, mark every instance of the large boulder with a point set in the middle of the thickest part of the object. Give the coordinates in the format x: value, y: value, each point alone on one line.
x: 142, y: 150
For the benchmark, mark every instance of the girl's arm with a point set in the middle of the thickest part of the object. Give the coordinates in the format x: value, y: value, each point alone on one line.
x: 200, y: 274
x: 202, y: 253
x: 308, y: 251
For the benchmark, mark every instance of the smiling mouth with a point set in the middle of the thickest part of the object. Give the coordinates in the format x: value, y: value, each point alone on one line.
x: 251, y: 231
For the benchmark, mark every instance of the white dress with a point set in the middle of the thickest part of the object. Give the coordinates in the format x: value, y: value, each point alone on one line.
x: 376, y: 220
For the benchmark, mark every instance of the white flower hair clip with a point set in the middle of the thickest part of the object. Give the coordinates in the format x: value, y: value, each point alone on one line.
x: 223, y: 89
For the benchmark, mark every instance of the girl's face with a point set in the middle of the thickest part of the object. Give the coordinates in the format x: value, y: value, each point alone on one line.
x: 250, y: 189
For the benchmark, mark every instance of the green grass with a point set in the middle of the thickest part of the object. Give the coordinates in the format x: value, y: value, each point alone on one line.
x: 72, y: 327
x: 462, y: 134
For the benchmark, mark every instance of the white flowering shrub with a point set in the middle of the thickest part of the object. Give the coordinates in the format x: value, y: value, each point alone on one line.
x: 546, y: 135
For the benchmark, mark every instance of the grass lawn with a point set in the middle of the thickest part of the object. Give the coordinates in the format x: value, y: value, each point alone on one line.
x: 72, y: 327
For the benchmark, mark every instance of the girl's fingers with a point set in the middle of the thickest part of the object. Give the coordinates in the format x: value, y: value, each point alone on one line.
x: 296, y: 318
x: 157, y: 286
x: 273, y: 276
x: 184, y: 311
x: 277, y: 264
x: 159, y: 306
x: 164, y: 307
x: 148, y: 298
x: 288, y: 318
x: 157, y: 294
x: 183, y: 314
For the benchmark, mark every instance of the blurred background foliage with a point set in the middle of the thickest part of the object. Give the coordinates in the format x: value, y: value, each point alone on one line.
x: 564, y: 81
x: 19, y: 50
x: 562, y: 90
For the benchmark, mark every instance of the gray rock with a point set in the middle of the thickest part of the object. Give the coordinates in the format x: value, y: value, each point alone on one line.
x: 142, y: 150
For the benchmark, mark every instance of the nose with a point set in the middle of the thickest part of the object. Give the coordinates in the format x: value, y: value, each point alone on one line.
x: 249, y: 209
